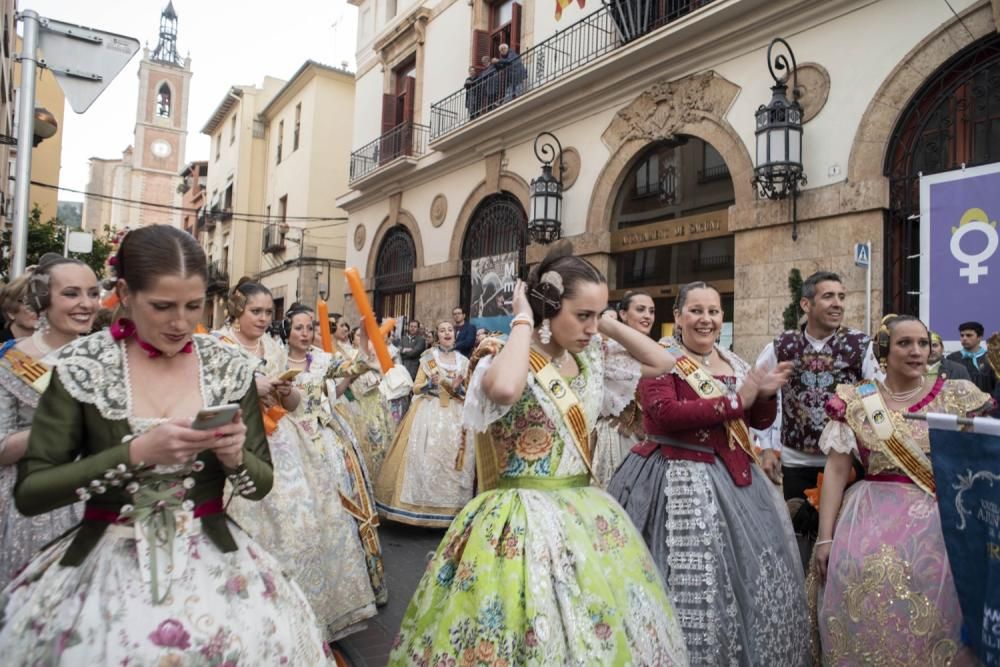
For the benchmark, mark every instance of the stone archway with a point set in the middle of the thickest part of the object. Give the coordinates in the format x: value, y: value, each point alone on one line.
x: 507, y: 182
x: 696, y: 106
x: 401, y: 217
x: 871, y: 141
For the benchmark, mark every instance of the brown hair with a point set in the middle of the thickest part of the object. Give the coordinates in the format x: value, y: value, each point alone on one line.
x: 245, y: 288
x: 682, y: 295
x: 155, y: 251
x: 14, y: 294
x: 545, y: 298
x: 38, y: 291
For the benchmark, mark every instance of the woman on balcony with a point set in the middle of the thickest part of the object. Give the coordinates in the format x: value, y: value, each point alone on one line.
x: 543, y: 568
x: 888, y: 596
x: 428, y: 474
x: 716, y: 525
x: 297, y: 522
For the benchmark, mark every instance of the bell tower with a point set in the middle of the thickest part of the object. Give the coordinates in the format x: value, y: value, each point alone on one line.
x: 161, y: 124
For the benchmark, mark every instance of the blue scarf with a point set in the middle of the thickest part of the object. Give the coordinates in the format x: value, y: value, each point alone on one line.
x: 974, y: 357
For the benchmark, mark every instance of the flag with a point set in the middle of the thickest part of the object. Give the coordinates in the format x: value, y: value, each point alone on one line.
x: 967, y: 473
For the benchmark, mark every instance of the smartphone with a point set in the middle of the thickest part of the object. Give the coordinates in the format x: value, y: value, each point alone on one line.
x: 289, y: 375
x: 211, y: 418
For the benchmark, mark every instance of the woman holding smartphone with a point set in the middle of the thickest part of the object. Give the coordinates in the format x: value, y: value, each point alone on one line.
x: 296, y: 521
x: 155, y: 574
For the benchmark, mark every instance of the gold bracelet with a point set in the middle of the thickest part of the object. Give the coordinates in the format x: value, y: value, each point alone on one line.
x: 514, y: 323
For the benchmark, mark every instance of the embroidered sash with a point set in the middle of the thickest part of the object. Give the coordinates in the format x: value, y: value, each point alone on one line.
x: 905, y: 455
x: 565, y: 400
x: 446, y: 392
x: 706, y: 386
x: 34, y: 373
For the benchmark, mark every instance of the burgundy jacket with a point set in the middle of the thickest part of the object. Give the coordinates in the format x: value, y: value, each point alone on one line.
x: 673, y: 410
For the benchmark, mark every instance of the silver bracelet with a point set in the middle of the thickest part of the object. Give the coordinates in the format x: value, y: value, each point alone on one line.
x: 822, y: 542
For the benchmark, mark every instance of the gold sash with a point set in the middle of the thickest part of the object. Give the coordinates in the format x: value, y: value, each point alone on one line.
x: 905, y: 455
x: 559, y: 392
x: 34, y: 373
x: 446, y: 393
x: 706, y: 386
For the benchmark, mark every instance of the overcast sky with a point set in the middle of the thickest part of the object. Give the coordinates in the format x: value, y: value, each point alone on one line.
x: 230, y: 42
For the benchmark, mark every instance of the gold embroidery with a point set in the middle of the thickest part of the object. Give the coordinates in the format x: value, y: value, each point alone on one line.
x: 875, y: 596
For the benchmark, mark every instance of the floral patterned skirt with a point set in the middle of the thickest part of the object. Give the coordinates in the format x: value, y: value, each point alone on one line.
x: 728, y: 555
x: 427, y: 478
x: 542, y: 578
x: 889, y: 596
x: 303, y: 523
x: 221, y: 608
x: 370, y: 418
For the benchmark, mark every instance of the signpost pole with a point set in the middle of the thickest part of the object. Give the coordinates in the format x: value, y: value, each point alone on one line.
x: 25, y: 143
x: 868, y: 290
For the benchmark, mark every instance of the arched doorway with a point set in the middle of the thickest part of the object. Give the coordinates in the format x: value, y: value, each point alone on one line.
x: 397, y: 257
x: 951, y: 122
x: 492, y: 259
x: 670, y: 226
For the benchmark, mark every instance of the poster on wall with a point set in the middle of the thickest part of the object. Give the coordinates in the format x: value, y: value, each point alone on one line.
x: 493, y: 280
x: 960, y: 250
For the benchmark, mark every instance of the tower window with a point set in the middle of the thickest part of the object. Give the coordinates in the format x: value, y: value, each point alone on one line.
x: 298, y: 123
x: 163, y: 101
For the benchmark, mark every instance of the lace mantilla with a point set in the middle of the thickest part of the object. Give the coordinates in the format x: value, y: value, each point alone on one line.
x: 93, y: 371
x: 621, y: 378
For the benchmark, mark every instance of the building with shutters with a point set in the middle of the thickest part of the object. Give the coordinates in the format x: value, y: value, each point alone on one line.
x: 654, y: 105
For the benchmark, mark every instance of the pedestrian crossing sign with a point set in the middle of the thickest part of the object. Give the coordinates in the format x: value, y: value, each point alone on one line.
x: 862, y: 255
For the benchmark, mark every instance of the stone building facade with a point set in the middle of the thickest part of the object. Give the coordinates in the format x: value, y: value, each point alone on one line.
x: 657, y: 129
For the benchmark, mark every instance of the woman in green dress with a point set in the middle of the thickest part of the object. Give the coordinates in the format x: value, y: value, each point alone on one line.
x: 543, y: 568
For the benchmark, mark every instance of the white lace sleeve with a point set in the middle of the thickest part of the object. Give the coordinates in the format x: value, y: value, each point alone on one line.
x: 621, y: 378
x: 838, y: 437
x: 479, y: 411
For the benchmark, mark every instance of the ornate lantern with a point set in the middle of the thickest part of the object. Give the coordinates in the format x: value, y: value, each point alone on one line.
x: 545, y: 223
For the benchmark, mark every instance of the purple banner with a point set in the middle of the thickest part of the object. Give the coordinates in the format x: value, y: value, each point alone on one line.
x: 960, y: 249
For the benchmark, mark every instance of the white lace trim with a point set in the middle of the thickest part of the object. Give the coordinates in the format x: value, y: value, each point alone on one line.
x: 93, y: 370
x: 837, y: 436
x: 621, y: 378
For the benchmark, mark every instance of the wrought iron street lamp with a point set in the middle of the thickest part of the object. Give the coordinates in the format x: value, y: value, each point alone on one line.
x: 778, y: 174
x: 546, y: 192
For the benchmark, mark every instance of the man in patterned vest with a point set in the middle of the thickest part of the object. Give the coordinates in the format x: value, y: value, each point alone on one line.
x: 824, y: 354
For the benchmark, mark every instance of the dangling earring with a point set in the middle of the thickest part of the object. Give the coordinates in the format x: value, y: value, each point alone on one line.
x: 545, y: 332
x: 42, y: 326
x: 236, y: 326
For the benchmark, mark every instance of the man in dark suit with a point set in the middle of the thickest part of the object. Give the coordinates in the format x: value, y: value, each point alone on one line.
x: 465, y: 332
x: 411, y: 345
x: 938, y: 365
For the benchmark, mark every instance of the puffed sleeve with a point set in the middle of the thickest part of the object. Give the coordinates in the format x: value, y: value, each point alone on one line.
x: 478, y: 411
x: 256, y: 453
x: 837, y: 436
x: 667, y: 411
x: 8, y: 416
x: 50, y: 473
x: 621, y: 378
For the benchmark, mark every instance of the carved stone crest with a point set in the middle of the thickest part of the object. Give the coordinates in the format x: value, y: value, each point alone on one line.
x: 439, y: 209
x: 359, y: 237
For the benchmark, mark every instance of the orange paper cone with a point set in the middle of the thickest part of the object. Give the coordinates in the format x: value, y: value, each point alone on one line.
x: 368, y: 318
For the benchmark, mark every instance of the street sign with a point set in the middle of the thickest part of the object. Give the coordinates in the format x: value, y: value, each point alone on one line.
x: 80, y: 242
x: 862, y: 255
x: 83, y: 60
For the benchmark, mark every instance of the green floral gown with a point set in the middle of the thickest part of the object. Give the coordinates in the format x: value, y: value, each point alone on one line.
x: 545, y: 569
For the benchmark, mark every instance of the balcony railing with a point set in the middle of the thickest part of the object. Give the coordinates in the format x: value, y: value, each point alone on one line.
x: 218, y: 276
x: 226, y: 214
x: 404, y: 140
x: 611, y: 27
x: 274, y: 237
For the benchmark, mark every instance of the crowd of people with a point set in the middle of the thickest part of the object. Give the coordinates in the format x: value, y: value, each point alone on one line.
x: 496, y: 81
x: 172, y: 498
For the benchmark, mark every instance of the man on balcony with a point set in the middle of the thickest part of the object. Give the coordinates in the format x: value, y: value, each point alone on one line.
x: 512, y: 72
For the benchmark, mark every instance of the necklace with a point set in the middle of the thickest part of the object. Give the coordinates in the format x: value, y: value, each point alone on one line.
x: 38, y: 338
x: 252, y: 349
x: 296, y: 361
x: 903, y: 396
x: 705, y: 358
x: 563, y: 358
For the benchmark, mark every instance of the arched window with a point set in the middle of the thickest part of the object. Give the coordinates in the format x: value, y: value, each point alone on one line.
x: 397, y: 257
x: 163, y: 101
x: 493, y: 255
x: 953, y: 120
